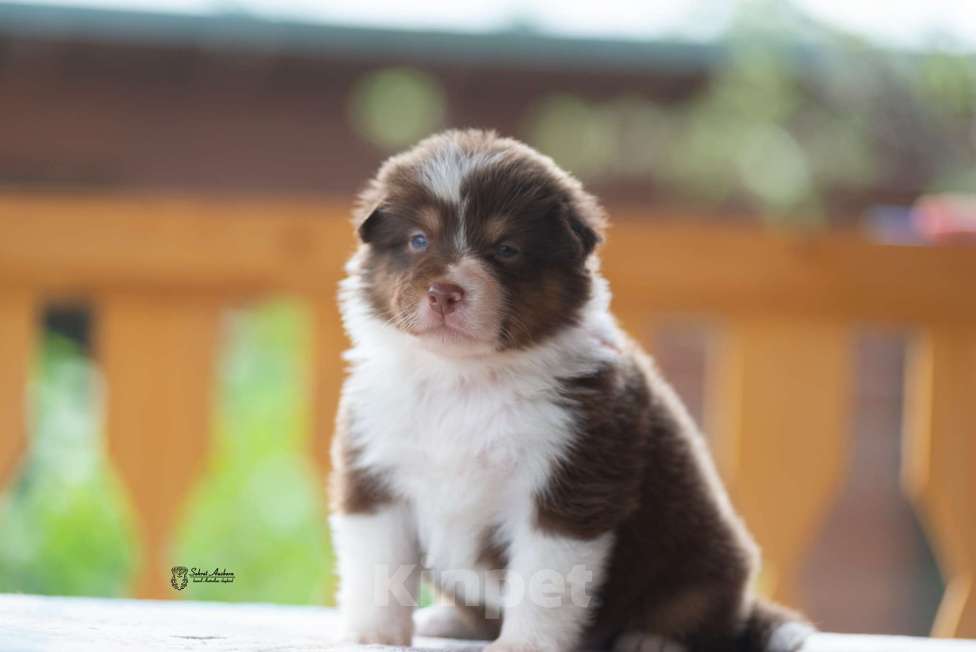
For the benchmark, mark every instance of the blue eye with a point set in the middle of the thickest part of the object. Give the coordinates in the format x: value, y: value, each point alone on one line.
x: 418, y: 242
x: 506, y: 251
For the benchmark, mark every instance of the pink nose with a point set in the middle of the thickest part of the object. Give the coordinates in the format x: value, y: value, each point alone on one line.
x: 445, y: 297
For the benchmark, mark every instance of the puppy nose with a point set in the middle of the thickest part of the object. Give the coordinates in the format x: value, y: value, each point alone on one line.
x: 444, y: 297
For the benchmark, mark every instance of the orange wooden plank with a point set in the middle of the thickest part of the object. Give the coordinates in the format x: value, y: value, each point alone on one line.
x: 80, y: 243
x: 328, y: 372
x: 17, y: 335
x: 778, y: 408
x: 158, y: 356
x: 740, y: 270
x: 940, y: 464
x: 83, y: 244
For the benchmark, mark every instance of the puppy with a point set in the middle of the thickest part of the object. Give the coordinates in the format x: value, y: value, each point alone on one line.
x: 498, y: 432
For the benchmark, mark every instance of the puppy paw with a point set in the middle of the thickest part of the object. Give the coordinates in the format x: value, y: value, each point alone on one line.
x: 444, y: 621
x: 789, y: 637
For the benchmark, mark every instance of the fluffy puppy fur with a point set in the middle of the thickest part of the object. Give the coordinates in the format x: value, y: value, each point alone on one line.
x: 497, y: 427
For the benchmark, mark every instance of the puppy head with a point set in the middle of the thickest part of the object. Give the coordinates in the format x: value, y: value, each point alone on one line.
x: 474, y: 244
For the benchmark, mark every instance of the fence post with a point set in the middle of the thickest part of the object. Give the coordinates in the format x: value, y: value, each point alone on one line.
x: 158, y: 355
x: 327, y: 368
x: 778, y: 407
x: 939, y: 464
x: 17, y: 336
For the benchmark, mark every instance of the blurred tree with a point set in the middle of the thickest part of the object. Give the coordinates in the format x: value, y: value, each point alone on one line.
x: 62, y: 526
x: 795, y: 120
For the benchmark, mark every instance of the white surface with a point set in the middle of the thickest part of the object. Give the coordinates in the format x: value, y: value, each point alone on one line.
x: 33, y: 623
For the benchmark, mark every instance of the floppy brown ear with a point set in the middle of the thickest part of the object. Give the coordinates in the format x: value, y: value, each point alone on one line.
x: 587, y: 237
x: 584, y: 222
x: 367, y: 229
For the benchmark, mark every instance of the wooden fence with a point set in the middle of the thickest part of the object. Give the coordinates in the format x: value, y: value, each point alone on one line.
x: 158, y: 271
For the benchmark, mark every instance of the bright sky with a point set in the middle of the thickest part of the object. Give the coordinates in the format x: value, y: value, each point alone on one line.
x: 908, y: 23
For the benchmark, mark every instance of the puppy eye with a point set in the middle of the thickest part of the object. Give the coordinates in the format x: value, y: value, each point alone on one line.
x: 418, y: 242
x: 506, y: 251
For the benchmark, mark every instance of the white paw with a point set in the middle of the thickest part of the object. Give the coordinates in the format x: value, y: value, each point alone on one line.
x: 638, y: 642
x: 442, y: 621
x: 789, y: 637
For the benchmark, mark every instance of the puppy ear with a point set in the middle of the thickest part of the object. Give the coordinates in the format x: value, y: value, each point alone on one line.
x: 587, y: 237
x: 367, y: 229
x: 584, y: 223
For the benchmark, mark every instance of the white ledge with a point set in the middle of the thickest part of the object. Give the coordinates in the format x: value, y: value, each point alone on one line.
x: 31, y: 623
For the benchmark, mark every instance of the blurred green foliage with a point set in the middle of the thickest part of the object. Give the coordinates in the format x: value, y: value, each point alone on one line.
x: 395, y: 107
x: 258, y: 511
x: 794, y: 120
x: 62, y: 525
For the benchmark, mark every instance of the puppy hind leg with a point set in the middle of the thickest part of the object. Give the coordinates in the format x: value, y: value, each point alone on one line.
x: 449, y: 620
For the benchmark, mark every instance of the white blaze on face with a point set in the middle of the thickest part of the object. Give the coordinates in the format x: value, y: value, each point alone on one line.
x: 479, y: 314
x: 444, y: 174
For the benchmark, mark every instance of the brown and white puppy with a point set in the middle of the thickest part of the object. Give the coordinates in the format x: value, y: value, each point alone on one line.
x: 498, y: 431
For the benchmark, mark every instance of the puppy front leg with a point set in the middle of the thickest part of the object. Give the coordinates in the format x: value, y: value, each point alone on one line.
x: 379, y: 574
x: 550, y: 587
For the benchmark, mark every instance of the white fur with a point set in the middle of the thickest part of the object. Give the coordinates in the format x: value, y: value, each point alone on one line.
x: 446, y: 621
x: 375, y: 551
x: 789, y: 637
x: 443, y: 175
x: 467, y: 442
x: 548, y: 613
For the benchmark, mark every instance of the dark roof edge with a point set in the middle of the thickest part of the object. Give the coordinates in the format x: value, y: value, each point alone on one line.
x: 236, y: 31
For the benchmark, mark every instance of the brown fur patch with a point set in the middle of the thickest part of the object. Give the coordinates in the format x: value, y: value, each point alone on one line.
x: 495, y: 228
x: 352, y: 489
x: 681, y: 563
x: 431, y: 220
x: 492, y: 555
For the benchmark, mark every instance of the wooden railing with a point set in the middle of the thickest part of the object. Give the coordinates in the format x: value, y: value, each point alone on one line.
x: 158, y: 271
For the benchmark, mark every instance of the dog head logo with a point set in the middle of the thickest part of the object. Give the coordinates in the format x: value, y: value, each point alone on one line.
x: 178, y: 581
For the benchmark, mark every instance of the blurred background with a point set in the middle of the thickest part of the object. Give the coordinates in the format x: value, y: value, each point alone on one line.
x: 799, y: 116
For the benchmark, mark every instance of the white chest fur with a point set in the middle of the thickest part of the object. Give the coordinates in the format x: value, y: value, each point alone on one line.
x: 468, y: 451
x: 466, y: 442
